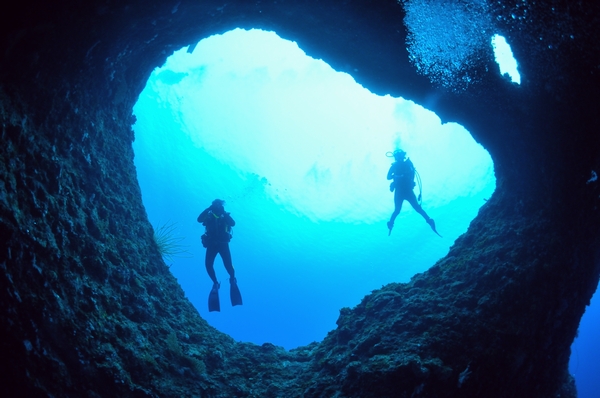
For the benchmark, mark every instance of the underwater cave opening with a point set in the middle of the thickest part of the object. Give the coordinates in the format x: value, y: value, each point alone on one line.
x: 505, y: 59
x: 298, y: 152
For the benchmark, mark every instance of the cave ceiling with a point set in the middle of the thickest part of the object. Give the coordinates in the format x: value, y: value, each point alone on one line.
x: 89, y: 306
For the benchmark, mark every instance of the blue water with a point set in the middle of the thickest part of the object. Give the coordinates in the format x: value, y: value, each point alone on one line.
x: 585, y: 352
x: 297, y: 151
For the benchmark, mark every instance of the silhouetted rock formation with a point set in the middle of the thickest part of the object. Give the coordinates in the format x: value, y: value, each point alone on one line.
x: 90, y: 309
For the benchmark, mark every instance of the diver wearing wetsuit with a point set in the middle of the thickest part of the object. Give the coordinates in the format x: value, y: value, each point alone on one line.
x: 216, y: 239
x: 402, y: 172
x: 218, y: 224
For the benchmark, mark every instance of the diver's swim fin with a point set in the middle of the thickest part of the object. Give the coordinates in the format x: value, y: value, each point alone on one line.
x: 213, y: 299
x: 390, y: 225
x: 234, y: 292
x: 432, y: 225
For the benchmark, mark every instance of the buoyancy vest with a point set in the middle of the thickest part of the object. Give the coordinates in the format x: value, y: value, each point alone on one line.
x: 217, y: 228
x: 404, y: 175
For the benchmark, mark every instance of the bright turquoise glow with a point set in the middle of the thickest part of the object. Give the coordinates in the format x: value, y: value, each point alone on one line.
x: 298, y: 152
x: 505, y: 59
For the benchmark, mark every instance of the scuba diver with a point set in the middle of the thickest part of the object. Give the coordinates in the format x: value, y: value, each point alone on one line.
x: 216, y: 239
x: 402, y: 172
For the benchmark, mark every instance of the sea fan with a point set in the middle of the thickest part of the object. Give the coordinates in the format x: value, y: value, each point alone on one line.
x: 169, y: 245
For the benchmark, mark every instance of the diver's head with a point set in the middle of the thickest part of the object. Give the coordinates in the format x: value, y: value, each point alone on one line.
x: 399, y: 155
x: 218, y: 205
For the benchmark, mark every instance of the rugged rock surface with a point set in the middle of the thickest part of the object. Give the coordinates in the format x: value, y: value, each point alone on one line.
x: 90, y: 309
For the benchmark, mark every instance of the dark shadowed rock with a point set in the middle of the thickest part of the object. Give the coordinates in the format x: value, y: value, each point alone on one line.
x: 90, y: 309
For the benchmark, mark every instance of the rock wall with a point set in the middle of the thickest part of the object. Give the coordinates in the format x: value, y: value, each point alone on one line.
x: 90, y: 309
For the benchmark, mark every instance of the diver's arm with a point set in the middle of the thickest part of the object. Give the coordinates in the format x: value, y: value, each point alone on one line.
x: 203, y: 215
x: 228, y: 220
x: 390, y: 174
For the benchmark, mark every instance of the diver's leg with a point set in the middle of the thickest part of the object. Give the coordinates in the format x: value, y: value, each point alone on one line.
x: 412, y: 199
x: 226, y: 256
x: 213, y: 296
x: 415, y: 204
x: 398, y: 199
x: 209, y: 261
x: 234, y: 290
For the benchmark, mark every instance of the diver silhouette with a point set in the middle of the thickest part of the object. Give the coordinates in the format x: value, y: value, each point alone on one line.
x: 403, y: 172
x: 216, y: 239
